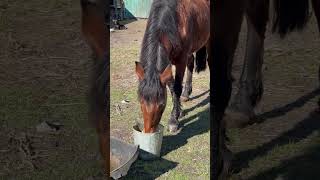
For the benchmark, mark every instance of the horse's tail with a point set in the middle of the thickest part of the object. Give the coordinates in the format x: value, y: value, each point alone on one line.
x: 290, y: 15
x: 201, y: 59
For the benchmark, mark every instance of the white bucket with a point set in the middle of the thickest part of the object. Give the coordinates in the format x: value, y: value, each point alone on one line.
x: 149, y: 143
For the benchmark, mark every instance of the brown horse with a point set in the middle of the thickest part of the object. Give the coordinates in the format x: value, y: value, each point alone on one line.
x: 97, y: 35
x: 175, y: 29
x: 225, y: 27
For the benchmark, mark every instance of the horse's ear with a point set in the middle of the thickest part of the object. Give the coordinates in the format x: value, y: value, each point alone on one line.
x: 166, y: 75
x: 139, y: 71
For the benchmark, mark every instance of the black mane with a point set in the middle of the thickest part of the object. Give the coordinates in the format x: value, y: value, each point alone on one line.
x: 153, y: 57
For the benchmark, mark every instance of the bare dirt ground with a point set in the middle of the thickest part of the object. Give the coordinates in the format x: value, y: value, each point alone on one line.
x: 131, y: 36
x: 286, y: 139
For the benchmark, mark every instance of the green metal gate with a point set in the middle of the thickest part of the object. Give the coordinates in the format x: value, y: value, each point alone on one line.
x: 137, y: 8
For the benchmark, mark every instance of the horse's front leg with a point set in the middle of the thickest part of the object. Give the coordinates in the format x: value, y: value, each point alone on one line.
x: 188, y: 86
x: 176, y: 90
x: 241, y: 110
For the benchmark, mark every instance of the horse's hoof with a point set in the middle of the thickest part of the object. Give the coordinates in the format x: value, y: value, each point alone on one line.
x: 237, y: 119
x: 184, y: 98
x: 173, y: 128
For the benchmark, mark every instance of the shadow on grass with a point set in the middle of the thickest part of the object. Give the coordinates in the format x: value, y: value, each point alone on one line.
x: 304, y: 167
x: 141, y: 170
x: 188, y: 130
x: 201, y: 104
x: 301, y: 131
x: 288, y: 107
x: 199, y: 95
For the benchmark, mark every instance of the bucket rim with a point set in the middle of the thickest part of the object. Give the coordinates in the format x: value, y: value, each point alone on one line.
x: 160, y: 129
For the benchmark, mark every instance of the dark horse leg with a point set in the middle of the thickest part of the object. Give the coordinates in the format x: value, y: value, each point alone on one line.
x: 201, y: 63
x: 225, y: 28
x: 188, y: 86
x: 241, y: 109
x: 176, y: 90
x: 316, y: 8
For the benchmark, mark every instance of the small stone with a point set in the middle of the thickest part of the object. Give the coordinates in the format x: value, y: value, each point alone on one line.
x: 125, y: 101
x: 45, y: 127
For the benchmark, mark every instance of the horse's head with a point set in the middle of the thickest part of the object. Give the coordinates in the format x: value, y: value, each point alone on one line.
x: 152, y: 94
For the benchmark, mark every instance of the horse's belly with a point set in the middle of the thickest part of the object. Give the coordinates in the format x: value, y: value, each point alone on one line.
x: 199, y: 31
x: 200, y: 40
